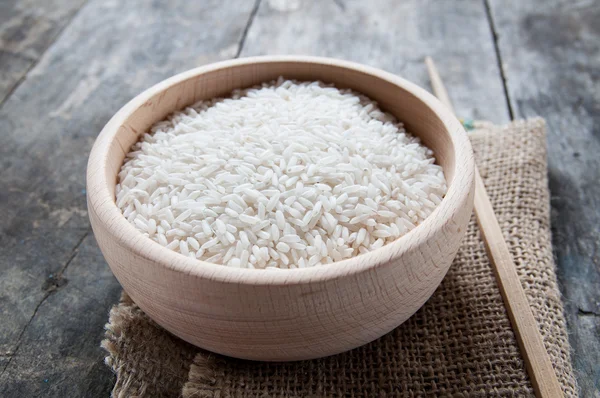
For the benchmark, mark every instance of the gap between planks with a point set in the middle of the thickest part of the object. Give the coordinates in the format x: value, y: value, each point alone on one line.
x: 490, y: 18
x: 537, y: 361
x: 11, y: 354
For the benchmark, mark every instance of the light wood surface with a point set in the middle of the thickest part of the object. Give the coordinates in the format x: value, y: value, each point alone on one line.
x: 550, y: 50
x: 25, y: 34
x: 283, y: 314
x: 439, y: 89
x: 89, y: 71
x: 539, y: 366
x: 394, y: 36
x: 53, y: 274
x: 55, y: 287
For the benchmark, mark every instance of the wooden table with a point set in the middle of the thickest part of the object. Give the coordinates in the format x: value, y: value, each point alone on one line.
x: 66, y: 66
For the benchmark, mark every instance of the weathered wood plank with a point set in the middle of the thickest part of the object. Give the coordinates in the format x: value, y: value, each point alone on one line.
x: 12, y: 69
x: 27, y: 28
x: 59, y: 355
x: 110, y: 52
x: 551, y: 56
x: 395, y: 36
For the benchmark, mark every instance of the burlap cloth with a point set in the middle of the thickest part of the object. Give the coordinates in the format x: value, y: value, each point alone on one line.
x: 459, y: 344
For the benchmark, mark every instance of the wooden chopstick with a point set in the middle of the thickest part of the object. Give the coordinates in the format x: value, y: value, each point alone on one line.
x: 539, y: 366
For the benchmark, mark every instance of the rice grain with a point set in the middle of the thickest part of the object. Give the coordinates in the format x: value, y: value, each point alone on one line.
x: 283, y: 175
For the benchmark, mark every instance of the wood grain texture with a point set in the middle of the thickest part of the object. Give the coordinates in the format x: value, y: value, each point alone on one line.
x: 551, y: 72
x: 542, y: 375
x: 48, y: 127
x: 394, y: 36
x: 27, y: 28
x: 272, y: 314
x: 437, y: 85
x: 539, y: 367
x: 551, y: 56
x: 59, y: 354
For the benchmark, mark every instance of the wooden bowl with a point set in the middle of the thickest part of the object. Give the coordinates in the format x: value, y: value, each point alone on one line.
x: 279, y: 315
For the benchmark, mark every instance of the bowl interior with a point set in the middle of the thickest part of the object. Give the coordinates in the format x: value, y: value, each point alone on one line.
x: 422, y: 114
x: 405, y: 101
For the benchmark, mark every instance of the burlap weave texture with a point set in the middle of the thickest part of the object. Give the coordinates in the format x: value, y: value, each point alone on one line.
x: 459, y: 344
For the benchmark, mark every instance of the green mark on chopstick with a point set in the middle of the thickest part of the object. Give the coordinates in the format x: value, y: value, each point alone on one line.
x: 468, y: 124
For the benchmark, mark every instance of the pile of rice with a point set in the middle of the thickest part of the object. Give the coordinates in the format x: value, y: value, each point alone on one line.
x: 285, y: 175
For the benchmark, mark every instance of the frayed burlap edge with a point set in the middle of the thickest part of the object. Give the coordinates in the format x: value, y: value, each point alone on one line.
x: 148, y: 361
x: 178, y: 369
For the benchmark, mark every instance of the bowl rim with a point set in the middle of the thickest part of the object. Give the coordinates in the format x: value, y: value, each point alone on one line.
x: 102, y: 203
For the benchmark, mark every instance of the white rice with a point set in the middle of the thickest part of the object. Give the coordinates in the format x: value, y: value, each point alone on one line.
x: 285, y: 175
